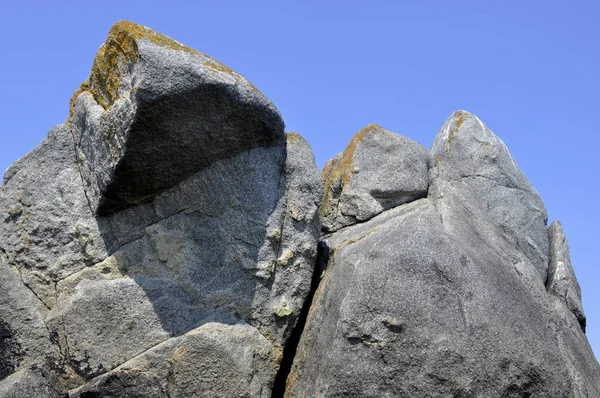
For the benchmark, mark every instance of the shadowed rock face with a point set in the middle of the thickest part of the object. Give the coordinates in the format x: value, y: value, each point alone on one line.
x: 163, y: 241
x: 154, y: 112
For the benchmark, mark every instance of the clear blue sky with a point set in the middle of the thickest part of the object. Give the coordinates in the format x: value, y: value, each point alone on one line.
x: 528, y: 69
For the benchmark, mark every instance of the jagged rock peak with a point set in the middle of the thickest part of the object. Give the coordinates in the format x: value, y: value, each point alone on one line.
x: 151, y: 111
x: 378, y: 170
x: 470, y: 161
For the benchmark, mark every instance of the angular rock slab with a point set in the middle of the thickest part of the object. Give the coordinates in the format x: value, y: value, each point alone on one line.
x: 154, y: 112
x: 24, y: 338
x: 378, y: 170
x: 408, y: 308
x: 561, y: 276
x: 235, y: 241
x: 215, y: 360
x: 48, y: 230
x: 472, y: 163
x: 32, y: 382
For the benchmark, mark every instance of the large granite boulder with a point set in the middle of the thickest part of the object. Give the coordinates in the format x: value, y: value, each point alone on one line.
x: 446, y: 296
x: 169, y: 218
x: 378, y: 170
x: 154, y: 112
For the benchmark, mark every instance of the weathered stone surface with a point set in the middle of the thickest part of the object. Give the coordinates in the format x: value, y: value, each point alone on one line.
x: 162, y: 243
x: 32, y: 382
x: 473, y: 163
x: 48, y: 230
x: 561, y: 277
x: 154, y: 112
x: 235, y: 241
x: 24, y: 338
x: 215, y: 360
x: 180, y: 204
x: 377, y: 171
x: 442, y: 296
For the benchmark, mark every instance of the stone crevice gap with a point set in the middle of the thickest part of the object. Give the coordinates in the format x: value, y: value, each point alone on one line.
x: 289, y: 352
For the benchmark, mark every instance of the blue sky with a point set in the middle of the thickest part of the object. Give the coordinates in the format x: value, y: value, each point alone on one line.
x: 529, y: 70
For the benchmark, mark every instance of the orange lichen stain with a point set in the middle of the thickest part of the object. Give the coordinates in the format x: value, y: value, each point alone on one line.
x: 85, y: 86
x: 327, y: 169
x: 120, y: 51
x: 295, y: 138
x: 342, y: 169
x: 455, y: 129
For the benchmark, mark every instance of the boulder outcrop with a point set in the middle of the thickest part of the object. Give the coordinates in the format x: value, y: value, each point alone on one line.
x: 446, y: 295
x: 377, y: 171
x: 170, y: 217
x: 171, y: 240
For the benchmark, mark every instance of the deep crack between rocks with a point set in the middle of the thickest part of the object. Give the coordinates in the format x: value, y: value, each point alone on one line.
x: 289, y: 352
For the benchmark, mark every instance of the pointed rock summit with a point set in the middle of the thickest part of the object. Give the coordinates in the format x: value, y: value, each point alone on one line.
x: 170, y: 240
x: 474, y: 164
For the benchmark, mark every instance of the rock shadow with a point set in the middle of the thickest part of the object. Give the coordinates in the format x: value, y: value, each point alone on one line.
x: 201, y: 249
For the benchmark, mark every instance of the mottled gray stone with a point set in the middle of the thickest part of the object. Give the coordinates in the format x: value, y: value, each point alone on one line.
x: 32, y: 382
x: 408, y: 308
x: 154, y: 112
x: 47, y: 229
x: 377, y: 171
x: 171, y: 199
x: 561, y: 276
x: 236, y: 240
x: 472, y: 162
x: 215, y: 360
x: 443, y: 296
x: 24, y: 338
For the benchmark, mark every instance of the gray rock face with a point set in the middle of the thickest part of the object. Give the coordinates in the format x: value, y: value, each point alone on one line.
x: 561, y: 277
x: 160, y: 111
x: 31, y: 382
x: 48, y: 230
x: 443, y: 296
x: 162, y: 244
x: 170, y: 218
x: 377, y: 171
x: 473, y: 163
x: 215, y: 360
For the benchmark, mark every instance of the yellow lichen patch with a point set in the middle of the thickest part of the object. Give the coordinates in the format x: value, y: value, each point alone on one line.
x: 455, y: 129
x: 277, y: 353
x: 343, y: 168
x: 295, y: 138
x: 327, y: 169
x: 85, y: 86
x: 286, y: 256
x: 283, y: 309
x: 112, y: 60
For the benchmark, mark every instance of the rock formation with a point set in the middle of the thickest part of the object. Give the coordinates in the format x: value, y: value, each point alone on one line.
x: 162, y: 242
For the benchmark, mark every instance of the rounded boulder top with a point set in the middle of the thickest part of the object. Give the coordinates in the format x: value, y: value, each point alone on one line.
x: 155, y: 111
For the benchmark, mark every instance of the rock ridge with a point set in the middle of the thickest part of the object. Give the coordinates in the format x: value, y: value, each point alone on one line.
x: 171, y: 240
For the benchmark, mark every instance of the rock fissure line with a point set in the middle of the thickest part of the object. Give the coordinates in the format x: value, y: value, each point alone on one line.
x: 291, y: 347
